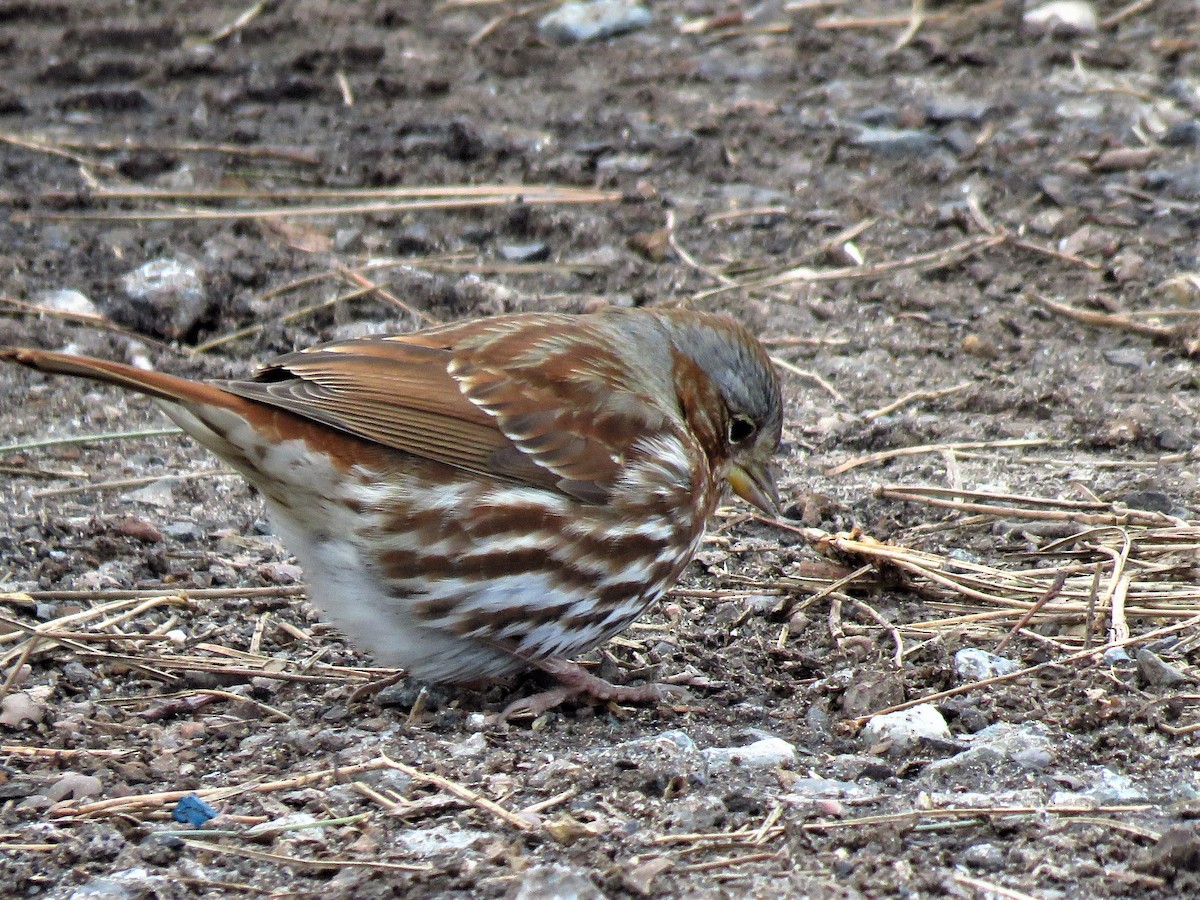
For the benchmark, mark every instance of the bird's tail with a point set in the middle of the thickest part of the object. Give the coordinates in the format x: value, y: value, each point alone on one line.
x: 155, y: 384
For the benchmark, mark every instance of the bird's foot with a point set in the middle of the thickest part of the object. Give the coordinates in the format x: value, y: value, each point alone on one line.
x: 575, y: 682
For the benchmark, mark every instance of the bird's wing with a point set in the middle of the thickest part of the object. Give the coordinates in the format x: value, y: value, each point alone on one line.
x: 529, y: 398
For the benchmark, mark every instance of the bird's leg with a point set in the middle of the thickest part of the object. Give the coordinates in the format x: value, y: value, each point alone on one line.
x: 575, y: 681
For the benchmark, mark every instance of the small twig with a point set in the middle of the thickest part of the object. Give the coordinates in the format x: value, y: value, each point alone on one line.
x: 1091, y: 607
x: 58, y: 753
x: 364, y: 282
x: 915, y: 21
x: 14, y: 673
x: 121, y: 484
x: 88, y: 439
x: 913, y: 397
x: 934, y: 259
x: 1125, y: 12
x: 28, y: 143
x: 503, y: 19
x: 880, y: 619
x: 1191, y: 622
x: 885, y: 455
x: 811, y: 376
x: 292, y: 316
x: 237, y: 24
x: 87, y: 319
x: 990, y: 888
x: 688, y: 259
x: 830, y: 589
x: 308, y: 864
x: 462, y: 792
x: 1108, y: 320
x: 731, y: 214
x: 1055, y: 588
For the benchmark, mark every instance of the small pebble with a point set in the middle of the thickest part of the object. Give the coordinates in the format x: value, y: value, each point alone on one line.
x: 907, y: 727
x: 972, y: 664
x: 577, y: 23
x: 898, y: 143
x: 67, y: 301
x: 769, y: 753
x: 165, y: 296
x: 1156, y: 671
x: 535, y: 252
x: 1071, y: 16
x: 985, y: 856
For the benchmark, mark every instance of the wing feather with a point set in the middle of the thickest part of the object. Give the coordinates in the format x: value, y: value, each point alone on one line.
x: 532, y: 398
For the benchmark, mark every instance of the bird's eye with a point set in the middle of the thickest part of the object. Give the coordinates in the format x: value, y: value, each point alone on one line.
x: 739, y: 429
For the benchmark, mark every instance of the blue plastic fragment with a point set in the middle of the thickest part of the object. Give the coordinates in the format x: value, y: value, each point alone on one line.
x: 192, y: 810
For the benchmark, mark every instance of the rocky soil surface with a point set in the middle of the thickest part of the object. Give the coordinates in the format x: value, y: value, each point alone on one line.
x: 974, y: 234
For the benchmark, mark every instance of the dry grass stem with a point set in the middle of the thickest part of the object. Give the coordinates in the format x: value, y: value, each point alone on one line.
x: 813, y: 377
x: 921, y: 449
x: 1109, y: 320
x: 91, y: 321
x: 299, y: 863
x: 88, y: 439
x: 463, y: 793
x: 990, y: 888
x: 915, y: 397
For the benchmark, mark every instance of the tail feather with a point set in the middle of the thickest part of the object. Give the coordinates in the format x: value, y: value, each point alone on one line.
x: 153, y: 384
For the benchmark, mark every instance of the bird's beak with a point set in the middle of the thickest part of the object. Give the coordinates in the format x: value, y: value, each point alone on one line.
x: 756, y: 485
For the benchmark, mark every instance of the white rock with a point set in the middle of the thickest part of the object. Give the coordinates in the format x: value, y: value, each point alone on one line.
x: 1075, y: 15
x: 574, y: 23
x: 156, y: 493
x: 769, y: 753
x: 973, y: 664
x: 67, y: 301
x: 1113, y: 787
x: 440, y: 839
x: 555, y: 882
x: 906, y: 727
x: 475, y: 745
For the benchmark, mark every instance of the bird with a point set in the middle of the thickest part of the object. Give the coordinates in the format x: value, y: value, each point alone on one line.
x: 474, y: 499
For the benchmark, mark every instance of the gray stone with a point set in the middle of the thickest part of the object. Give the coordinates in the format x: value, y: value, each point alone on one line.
x: 1113, y: 787
x: 1158, y: 672
x: 768, y: 753
x: 985, y: 856
x: 807, y: 789
x: 474, y: 746
x: 973, y: 664
x: 1026, y: 746
x: 184, y: 532
x: 672, y: 754
x: 166, y: 296
x: 1127, y: 358
x: 1117, y: 656
x: 157, y: 493
x: 957, y: 109
x: 1182, y: 183
x: 556, y: 882
x: 438, y: 839
x: 576, y: 23
x: 697, y: 812
x: 898, y: 143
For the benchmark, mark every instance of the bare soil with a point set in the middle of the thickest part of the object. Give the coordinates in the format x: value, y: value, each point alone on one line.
x: 926, y: 200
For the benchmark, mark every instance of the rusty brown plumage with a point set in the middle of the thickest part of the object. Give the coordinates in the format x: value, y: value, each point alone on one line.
x: 475, y: 498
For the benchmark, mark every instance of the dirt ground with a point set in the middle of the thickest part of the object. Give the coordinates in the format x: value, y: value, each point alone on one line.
x: 892, y: 214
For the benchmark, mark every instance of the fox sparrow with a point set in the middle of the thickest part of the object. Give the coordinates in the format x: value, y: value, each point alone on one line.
x: 477, y: 498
